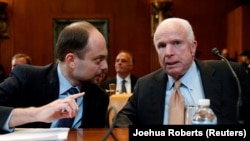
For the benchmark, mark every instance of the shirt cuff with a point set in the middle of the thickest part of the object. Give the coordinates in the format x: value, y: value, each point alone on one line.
x: 6, y: 125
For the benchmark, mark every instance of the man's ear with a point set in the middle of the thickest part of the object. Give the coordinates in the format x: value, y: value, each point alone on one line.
x: 193, y: 48
x: 70, y: 59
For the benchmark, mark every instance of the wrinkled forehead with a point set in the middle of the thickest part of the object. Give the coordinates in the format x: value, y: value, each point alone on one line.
x: 169, y: 31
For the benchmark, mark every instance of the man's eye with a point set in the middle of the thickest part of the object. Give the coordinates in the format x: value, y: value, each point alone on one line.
x: 177, y: 42
x: 161, y: 46
x: 99, y: 59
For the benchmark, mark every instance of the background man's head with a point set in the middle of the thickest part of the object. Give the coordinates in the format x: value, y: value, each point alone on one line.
x: 225, y: 52
x: 124, y: 63
x: 245, y: 57
x: 20, y: 58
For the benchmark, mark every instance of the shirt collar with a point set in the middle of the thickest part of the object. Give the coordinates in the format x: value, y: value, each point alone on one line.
x: 64, y: 84
x: 190, y: 75
x: 119, y: 79
x: 186, y: 79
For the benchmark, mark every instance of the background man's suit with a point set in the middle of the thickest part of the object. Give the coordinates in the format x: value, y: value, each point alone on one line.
x: 219, y: 85
x: 105, y: 84
x: 39, y: 85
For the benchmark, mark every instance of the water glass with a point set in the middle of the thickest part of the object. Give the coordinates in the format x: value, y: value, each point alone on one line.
x: 188, y: 113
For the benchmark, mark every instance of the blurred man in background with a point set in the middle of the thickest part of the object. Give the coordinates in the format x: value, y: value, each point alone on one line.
x: 124, y: 64
x: 20, y: 58
x: 245, y: 60
x: 225, y: 53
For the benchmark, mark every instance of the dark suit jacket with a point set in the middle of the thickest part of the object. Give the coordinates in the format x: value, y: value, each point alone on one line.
x: 39, y: 85
x: 4, y: 112
x: 146, y: 105
x: 105, y: 84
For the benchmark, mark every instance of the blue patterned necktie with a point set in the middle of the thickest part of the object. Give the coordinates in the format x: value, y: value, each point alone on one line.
x: 68, y: 122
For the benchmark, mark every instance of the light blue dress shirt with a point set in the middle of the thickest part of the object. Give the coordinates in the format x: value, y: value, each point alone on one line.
x: 6, y: 125
x: 191, y: 89
x: 64, y: 86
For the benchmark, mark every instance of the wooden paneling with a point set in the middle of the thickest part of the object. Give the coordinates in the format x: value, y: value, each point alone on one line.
x: 31, y: 27
x: 246, y: 27
x: 234, y: 32
x: 238, y: 30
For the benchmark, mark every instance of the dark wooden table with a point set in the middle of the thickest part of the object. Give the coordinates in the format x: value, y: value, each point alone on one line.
x: 97, y: 134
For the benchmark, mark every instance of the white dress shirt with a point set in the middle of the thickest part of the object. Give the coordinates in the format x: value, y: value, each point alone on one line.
x: 119, y: 84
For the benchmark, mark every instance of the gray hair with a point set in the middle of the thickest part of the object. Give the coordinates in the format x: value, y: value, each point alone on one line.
x: 185, y: 24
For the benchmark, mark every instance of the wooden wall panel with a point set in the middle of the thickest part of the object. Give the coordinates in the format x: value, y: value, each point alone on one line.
x: 246, y: 27
x: 238, y: 30
x: 31, y: 27
x: 235, y: 32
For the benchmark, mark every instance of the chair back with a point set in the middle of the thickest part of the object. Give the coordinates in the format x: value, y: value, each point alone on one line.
x: 116, y: 103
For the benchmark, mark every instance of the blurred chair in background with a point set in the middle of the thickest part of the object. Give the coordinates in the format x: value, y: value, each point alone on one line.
x: 116, y: 103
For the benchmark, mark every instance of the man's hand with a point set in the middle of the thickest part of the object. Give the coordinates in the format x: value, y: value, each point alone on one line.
x: 61, y: 108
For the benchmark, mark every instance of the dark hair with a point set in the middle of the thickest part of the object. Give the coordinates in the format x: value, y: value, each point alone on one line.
x: 72, y: 39
x: 246, y: 53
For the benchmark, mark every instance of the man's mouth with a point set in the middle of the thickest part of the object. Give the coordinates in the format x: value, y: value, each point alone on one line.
x: 171, y: 63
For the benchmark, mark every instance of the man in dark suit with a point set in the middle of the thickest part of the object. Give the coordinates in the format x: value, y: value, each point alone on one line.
x: 124, y: 64
x: 175, y: 44
x: 81, y: 54
x: 245, y: 60
x: 11, y: 117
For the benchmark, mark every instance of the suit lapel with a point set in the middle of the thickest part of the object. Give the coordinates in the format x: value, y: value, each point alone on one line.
x: 133, y: 81
x: 158, y: 95
x: 53, y: 81
x: 212, y: 84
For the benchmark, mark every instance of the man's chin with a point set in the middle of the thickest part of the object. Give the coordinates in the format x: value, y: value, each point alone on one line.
x: 90, y: 81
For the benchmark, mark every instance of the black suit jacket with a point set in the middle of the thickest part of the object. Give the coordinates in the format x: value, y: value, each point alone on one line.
x: 146, y: 105
x: 39, y: 85
x: 4, y: 112
x: 105, y: 84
